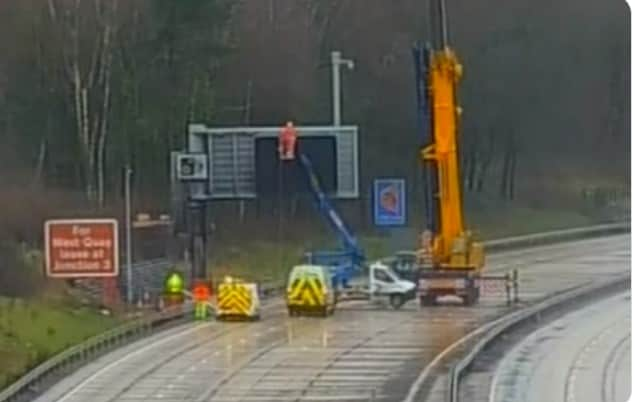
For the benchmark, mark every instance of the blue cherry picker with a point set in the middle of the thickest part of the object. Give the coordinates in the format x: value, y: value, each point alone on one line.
x: 307, y: 289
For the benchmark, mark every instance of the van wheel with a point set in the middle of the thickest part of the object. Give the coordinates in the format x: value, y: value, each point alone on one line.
x: 396, y: 301
x: 325, y: 312
x: 292, y: 312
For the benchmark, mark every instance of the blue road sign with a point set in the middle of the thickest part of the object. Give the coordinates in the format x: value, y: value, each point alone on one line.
x: 389, y: 202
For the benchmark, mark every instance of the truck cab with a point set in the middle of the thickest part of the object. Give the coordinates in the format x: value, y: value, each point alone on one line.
x: 384, y: 283
x: 404, y: 264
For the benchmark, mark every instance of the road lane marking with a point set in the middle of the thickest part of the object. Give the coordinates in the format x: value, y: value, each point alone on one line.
x: 117, y: 362
x: 272, y: 328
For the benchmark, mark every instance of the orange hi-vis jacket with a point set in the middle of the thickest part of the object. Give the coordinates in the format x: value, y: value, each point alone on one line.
x: 201, y: 292
x: 287, y: 142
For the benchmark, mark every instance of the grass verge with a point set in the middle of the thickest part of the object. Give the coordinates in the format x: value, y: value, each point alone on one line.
x: 32, y: 330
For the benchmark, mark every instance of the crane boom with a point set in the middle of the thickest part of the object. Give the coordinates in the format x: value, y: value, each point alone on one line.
x: 450, y: 247
x: 444, y: 73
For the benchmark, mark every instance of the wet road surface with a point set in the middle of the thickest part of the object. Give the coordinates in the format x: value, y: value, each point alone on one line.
x: 364, y: 352
x: 582, y: 357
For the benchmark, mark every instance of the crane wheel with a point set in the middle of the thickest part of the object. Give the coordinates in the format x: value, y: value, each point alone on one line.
x: 472, y: 297
x: 428, y: 300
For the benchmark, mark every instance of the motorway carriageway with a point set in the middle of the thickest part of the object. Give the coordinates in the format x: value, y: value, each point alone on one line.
x: 362, y: 353
x: 582, y: 357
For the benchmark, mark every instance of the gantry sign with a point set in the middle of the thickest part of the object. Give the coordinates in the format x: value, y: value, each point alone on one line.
x: 241, y: 163
x: 231, y: 159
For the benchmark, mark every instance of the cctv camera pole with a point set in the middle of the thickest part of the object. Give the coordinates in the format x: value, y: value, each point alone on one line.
x: 198, y: 239
x: 202, y: 269
x: 193, y: 168
x: 336, y: 59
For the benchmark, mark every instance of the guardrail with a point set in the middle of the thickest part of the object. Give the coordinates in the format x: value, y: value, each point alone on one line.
x: 70, y: 359
x: 519, y: 317
x: 556, y: 236
x: 519, y: 242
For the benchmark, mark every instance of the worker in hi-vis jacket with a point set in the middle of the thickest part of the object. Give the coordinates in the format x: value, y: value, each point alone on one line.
x: 287, y: 141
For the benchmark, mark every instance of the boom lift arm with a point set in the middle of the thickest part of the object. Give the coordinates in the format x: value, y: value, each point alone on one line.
x: 346, y: 261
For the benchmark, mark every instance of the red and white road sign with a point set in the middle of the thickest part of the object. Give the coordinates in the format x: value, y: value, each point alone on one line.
x: 81, y: 248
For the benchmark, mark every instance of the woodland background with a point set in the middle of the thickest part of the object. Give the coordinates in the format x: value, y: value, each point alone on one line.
x: 88, y: 86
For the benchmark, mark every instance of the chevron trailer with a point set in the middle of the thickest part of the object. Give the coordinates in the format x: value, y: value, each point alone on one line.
x: 237, y: 300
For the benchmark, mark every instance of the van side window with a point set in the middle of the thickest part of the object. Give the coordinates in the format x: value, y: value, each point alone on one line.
x: 382, y: 276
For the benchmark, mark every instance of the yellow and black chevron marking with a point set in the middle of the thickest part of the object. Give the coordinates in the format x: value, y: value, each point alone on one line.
x: 306, y: 292
x: 234, y: 299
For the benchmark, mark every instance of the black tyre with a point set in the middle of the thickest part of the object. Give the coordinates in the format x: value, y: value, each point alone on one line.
x: 471, y: 297
x: 397, y: 300
x: 428, y: 300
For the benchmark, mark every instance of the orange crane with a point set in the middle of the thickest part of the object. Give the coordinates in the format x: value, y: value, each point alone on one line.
x: 450, y: 258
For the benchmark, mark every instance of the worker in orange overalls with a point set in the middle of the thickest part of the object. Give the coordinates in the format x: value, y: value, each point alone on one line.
x: 201, y: 293
x: 287, y: 141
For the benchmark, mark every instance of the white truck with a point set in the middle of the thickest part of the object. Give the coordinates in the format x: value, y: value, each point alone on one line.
x: 380, y: 284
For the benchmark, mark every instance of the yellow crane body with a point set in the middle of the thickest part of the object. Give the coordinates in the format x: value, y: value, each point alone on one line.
x: 451, y: 260
x: 452, y: 247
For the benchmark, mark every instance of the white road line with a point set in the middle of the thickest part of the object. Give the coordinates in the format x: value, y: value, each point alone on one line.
x: 99, y: 372
x: 353, y: 363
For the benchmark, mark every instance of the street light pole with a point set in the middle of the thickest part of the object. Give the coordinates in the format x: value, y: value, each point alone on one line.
x: 128, y: 175
x: 336, y: 62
